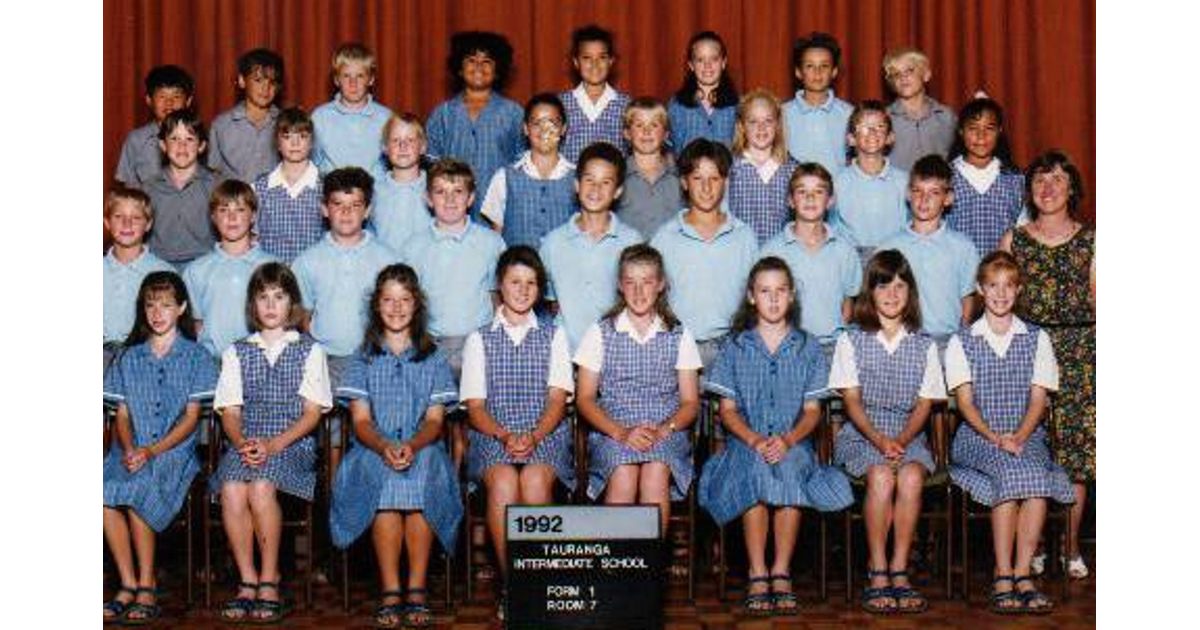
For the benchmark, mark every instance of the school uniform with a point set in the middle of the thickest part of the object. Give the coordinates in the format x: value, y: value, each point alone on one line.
x: 758, y: 195
x: 987, y: 202
x: 943, y: 263
x: 646, y: 204
x: 216, y: 284
x: 487, y: 143
x: 589, y: 122
x: 689, y: 123
x: 399, y: 390
x: 141, y: 157
x: 817, y: 133
x: 182, y: 226
x: 527, y: 205
x: 511, y: 367
x: 289, y: 215
x: 457, y: 271
x: 639, y: 383
x: 1001, y: 369
x: 824, y: 278
x: 398, y: 209
x: 348, y: 137
x: 933, y: 133
x: 240, y: 148
x: 582, y: 272
x: 870, y: 208
x: 270, y: 383
x: 892, y: 375
x: 156, y: 392
x: 122, y: 282
x: 770, y: 390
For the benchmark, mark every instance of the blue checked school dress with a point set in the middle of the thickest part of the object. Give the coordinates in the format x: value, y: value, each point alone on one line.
x: 1000, y: 387
x: 689, y: 123
x: 581, y: 132
x: 156, y: 392
x: 534, y: 207
x: 639, y: 385
x: 516, y: 397
x: 890, y: 385
x: 770, y: 391
x: 287, y: 226
x: 985, y: 217
x: 270, y: 404
x: 399, y: 390
x: 761, y: 205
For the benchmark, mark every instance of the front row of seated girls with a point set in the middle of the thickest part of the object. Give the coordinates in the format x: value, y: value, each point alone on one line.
x: 638, y: 389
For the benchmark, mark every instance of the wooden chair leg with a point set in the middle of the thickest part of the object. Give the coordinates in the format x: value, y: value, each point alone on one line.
x: 948, y: 524
x: 966, y: 546
x: 346, y: 580
x: 308, y: 551
x: 206, y: 520
x: 691, y: 551
x: 187, y: 532
x: 722, y: 565
x: 849, y: 554
x: 824, y: 560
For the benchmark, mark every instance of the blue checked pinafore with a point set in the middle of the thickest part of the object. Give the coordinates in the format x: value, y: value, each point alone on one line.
x: 270, y: 404
x: 516, y: 396
x: 762, y: 206
x: 890, y: 386
x: 581, y: 132
x: 534, y: 207
x: 156, y: 392
x: 639, y: 385
x: 399, y: 390
x: 287, y: 226
x: 1000, y: 386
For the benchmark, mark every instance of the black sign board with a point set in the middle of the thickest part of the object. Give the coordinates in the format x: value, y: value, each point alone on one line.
x: 584, y: 567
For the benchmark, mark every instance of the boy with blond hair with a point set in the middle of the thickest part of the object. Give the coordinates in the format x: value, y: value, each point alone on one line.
x: 128, y: 216
x: 349, y: 126
x: 921, y: 124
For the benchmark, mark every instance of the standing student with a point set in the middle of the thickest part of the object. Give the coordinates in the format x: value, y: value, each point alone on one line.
x: 398, y: 481
x: 706, y: 103
x: 217, y: 281
x: 650, y: 195
x: 988, y: 185
x: 922, y: 125
x: 888, y: 374
x: 594, y: 108
x: 272, y: 391
x: 638, y: 389
x: 180, y: 192
x: 516, y: 380
x: 581, y: 255
x: 1001, y: 370
x: 536, y: 194
x: 399, y: 200
x: 815, y: 119
x: 707, y: 252
x: 348, y: 127
x: 168, y: 89
x: 289, y: 197
x: 823, y: 261
x: 242, y: 141
x: 1057, y: 255
x: 871, y: 190
x: 478, y: 125
x: 770, y: 377
x: 157, y: 384
x: 758, y: 180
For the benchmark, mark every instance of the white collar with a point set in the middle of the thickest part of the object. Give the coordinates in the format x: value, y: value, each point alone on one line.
x: 623, y: 324
x: 981, y: 329
x: 308, y: 180
x: 766, y: 170
x: 981, y: 179
x: 499, y: 320
x: 891, y: 345
x: 289, y: 336
x: 561, y: 169
x: 592, y: 110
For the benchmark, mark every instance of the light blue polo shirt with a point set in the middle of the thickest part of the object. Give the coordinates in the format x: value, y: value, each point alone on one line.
x: 398, y: 210
x: 345, y: 137
x: 824, y: 278
x: 216, y: 283
x: 121, y: 285
x: 458, y: 274
x: 583, y: 272
x: 817, y: 134
x: 708, y: 278
x: 944, y: 264
x: 870, y: 208
x: 336, y: 283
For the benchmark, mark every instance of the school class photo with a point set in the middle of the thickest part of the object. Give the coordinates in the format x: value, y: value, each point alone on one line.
x: 476, y: 315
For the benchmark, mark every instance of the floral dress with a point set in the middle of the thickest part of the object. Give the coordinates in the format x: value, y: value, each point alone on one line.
x: 1056, y: 298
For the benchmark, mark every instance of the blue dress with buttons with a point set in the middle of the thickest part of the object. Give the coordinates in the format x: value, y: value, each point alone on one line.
x: 1000, y: 387
x: 488, y: 142
x: 689, y: 123
x: 534, y: 207
x: 399, y: 389
x: 516, y: 397
x: 156, y: 392
x: 891, y: 384
x: 639, y: 384
x: 271, y: 404
x: 770, y: 391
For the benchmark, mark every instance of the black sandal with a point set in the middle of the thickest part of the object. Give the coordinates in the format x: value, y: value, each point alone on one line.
x: 1000, y: 600
x: 139, y: 614
x: 117, y: 607
x: 1035, y: 602
x: 239, y: 605
x: 393, y: 612
x: 909, y: 593
x: 269, y: 612
x: 758, y: 604
x: 877, y: 593
x: 786, y: 597
x: 417, y: 614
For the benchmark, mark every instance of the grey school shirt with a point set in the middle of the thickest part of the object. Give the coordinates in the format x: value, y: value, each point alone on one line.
x: 141, y: 159
x: 181, y: 231
x: 239, y: 148
x: 646, y: 205
x: 916, y: 138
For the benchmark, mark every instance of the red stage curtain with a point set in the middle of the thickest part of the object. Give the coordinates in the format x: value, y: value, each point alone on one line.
x: 1037, y: 57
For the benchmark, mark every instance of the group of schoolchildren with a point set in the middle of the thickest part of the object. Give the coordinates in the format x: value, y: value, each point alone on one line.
x: 588, y: 248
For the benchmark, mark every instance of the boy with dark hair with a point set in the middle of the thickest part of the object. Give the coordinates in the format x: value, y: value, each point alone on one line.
x: 241, y: 143
x: 168, y: 88
x: 815, y: 120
